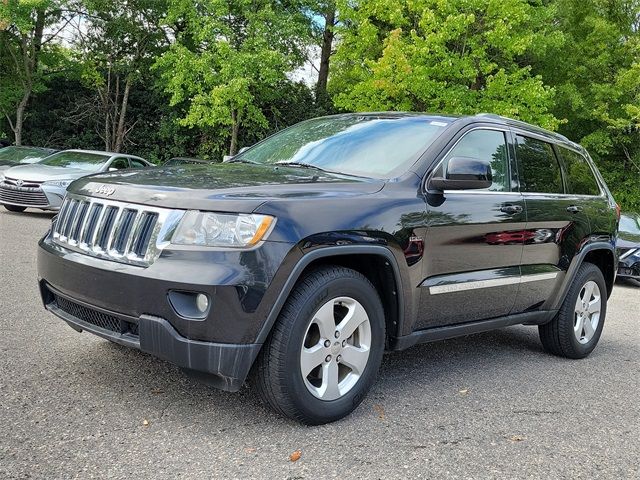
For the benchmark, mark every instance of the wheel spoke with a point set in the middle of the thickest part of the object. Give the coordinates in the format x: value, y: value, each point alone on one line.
x: 578, y: 327
x: 355, y: 358
x: 354, y: 318
x: 594, y: 306
x: 588, y: 329
x: 588, y: 292
x: 325, y: 320
x: 311, y: 358
x: 329, y: 388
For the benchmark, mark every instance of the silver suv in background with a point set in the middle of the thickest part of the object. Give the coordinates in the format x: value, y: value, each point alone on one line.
x: 43, y: 185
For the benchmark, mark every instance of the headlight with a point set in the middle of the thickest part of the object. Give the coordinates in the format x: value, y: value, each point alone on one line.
x: 58, y: 183
x: 221, y: 229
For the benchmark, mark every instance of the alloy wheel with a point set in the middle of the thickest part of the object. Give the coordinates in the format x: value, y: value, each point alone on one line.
x: 335, y: 348
x: 587, y: 312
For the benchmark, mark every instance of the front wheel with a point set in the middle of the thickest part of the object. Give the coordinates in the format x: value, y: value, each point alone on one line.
x: 325, y: 349
x: 14, y: 208
x: 577, y: 327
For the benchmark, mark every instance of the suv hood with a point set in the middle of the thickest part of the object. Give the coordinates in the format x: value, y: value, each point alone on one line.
x: 222, y: 186
x: 42, y: 173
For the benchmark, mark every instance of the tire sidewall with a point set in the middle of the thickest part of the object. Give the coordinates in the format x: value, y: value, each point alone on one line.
x: 312, y: 407
x: 592, y: 273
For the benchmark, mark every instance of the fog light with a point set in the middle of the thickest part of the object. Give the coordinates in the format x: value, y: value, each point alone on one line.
x: 202, y: 302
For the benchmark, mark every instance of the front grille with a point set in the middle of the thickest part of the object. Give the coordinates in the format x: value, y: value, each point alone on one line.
x: 95, y: 317
x: 31, y: 195
x: 112, y: 230
x: 16, y: 182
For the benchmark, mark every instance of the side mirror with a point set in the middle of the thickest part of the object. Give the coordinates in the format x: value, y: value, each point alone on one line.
x: 463, y: 173
x: 113, y: 169
x: 243, y: 149
x: 226, y: 158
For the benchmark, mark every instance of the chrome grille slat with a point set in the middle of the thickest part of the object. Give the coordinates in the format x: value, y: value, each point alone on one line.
x: 82, y: 218
x: 90, y: 225
x: 113, y: 230
x: 70, y: 218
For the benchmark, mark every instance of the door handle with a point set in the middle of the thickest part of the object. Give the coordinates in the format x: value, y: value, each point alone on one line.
x: 574, y: 208
x: 511, y: 209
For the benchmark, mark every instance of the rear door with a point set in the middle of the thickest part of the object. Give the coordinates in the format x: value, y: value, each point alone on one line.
x: 556, y: 221
x: 473, y: 241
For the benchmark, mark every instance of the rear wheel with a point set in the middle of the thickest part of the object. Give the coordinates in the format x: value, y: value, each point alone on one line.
x: 325, y: 350
x: 14, y: 208
x: 576, y: 330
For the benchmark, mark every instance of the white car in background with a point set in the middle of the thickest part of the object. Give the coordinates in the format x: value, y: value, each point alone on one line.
x: 44, y: 184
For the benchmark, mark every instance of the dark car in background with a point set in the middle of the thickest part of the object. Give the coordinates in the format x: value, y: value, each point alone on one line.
x: 304, y: 257
x: 11, y: 156
x: 628, y: 246
x: 177, y: 161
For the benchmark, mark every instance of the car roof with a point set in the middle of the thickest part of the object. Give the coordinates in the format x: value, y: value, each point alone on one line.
x: 102, y: 152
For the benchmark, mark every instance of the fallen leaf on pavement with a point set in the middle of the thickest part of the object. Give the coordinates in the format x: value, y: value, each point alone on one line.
x: 145, y: 423
x: 380, y: 411
x: 295, y: 456
x: 516, y: 438
x: 249, y: 450
x: 464, y: 391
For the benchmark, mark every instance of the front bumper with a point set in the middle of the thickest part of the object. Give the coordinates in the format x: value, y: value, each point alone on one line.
x: 629, y: 270
x: 131, y: 305
x: 629, y: 263
x: 44, y: 197
x: 225, y: 366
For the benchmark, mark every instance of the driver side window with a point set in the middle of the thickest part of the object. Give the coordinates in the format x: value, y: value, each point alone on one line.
x: 490, y: 147
x: 119, y: 164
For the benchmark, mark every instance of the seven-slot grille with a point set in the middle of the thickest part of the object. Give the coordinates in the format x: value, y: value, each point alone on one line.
x: 27, y: 193
x: 112, y: 230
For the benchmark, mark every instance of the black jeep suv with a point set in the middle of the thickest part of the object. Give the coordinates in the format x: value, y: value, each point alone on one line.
x: 303, y: 258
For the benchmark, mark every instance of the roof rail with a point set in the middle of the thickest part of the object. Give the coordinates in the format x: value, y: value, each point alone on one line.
x: 520, y: 123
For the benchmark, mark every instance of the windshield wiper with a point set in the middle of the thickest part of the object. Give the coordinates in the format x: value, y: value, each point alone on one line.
x: 306, y: 165
x: 241, y: 160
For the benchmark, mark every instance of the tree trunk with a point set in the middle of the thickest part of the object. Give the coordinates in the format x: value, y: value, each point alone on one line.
x: 17, y: 127
x: 31, y: 55
x: 325, y: 53
x: 123, y: 114
x: 235, y: 117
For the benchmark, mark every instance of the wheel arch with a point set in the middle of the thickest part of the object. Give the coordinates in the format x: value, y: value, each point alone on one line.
x: 601, y: 254
x: 377, y: 263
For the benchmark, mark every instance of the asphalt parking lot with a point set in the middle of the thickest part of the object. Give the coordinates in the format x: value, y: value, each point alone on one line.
x: 489, y: 406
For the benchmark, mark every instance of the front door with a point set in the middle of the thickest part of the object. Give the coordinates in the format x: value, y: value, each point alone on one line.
x: 474, y: 239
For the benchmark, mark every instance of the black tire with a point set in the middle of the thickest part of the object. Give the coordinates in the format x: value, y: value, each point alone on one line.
x: 277, y: 374
x: 558, y: 336
x: 15, y: 208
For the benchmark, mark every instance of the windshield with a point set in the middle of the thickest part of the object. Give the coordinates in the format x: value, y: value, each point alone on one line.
x: 629, y: 224
x: 91, y: 162
x: 370, y: 146
x: 21, y: 154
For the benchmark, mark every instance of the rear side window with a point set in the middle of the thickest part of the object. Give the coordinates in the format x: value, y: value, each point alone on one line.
x: 537, y: 166
x: 136, y: 163
x: 490, y: 147
x: 580, y: 179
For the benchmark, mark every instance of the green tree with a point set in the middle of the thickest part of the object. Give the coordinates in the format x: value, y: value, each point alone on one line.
x: 27, y: 53
x: 596, y: 75
x: 227, y: 56
x: 454, y: 56
x: 116, y: 46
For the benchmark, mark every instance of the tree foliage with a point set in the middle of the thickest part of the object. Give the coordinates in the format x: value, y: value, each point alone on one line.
x: 454, y: 56
x: 164, y: 78
x: 227, y: 55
